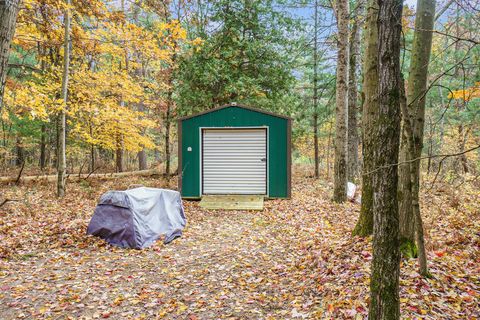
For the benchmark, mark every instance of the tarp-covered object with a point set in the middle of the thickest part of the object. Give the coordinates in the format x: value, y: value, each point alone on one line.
x: 137, y: 217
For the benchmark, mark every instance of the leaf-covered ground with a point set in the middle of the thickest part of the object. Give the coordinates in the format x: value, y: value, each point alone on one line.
x: 294, y: 260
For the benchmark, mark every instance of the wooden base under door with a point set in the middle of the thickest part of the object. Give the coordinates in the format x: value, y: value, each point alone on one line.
x: 232, y: 202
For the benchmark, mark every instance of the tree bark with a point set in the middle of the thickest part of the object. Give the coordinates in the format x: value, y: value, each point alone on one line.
x: 92, y: 158
x: 461, y: 103
x: 156, y: 151
x: 142, y: 160
x: 119, y: 155
x: 417, y: 85
x: 414, y: 170
x: 168, y: 114
x: 407, y: 225
x: 341, y: 112
x: 461, y: 148
x: 364, y: 225
x: 62, y: 158
x: 20, y: 152
x: 142, y: 154
x: 328, y: 150
x: 352, y: 156
x: 419, y: 236
x: 8, y: 18
x: 141, y: 74
x: 315, y: 92
x: 384, y: 281
x: 167, y: 135
x: 43, y: 146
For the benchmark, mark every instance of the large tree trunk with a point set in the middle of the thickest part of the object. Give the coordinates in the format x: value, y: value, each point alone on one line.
x: 341, y: 112
x: 416, y: 96
x: 352, y: 157
x: 364, y: 225
x: 8, y: 18
x: 315, y: 92
x: 384, y: 281
x: 62, y: 158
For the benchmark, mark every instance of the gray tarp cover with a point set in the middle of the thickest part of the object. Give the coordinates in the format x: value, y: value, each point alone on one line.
x: 137, y: 217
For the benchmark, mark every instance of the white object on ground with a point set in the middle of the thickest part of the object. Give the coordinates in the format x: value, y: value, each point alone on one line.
x: 351, y: 188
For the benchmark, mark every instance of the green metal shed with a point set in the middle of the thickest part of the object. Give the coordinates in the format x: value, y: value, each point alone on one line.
x: 234, y: 149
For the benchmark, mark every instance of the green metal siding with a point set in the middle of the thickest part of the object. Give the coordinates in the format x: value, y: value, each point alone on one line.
x: 236, y: 117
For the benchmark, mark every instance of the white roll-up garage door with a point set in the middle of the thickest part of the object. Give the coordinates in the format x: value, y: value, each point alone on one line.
x: 234, y: 161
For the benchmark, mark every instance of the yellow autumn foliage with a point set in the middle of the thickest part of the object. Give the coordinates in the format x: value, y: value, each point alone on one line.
x: 466, y: 94
x: 116, y: 71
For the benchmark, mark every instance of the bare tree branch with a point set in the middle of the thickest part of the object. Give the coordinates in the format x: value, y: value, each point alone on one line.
x: 445, y: 156
x: 442, y: 11
x: 7, y: 200
x: 475, y: 42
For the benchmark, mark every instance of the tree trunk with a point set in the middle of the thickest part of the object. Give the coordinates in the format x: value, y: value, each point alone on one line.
x: 92, y: 158
x: 461, y: 148
x: 43, y: 145
x: 315, y: 145
x: 167, y: 137
x: 119, y: 155
x: 414, y: 170
x: 142, y: 160
x: 442, y: 122
x: 142, y: 154
x: 341, y: 112
x: 328, y: 150
x: 416, y: 97
x: 315, y: 92
x: 419, y: 237
x: 407, y: 226
x: 140, y: 73
x: 352, y: 156
x: 364, y: 225
x: 8, y: 18
x: 62, y: 158
x: 384, y: 281
x: 20, y: 152
x: 157, y: 153
x: 168, y: 115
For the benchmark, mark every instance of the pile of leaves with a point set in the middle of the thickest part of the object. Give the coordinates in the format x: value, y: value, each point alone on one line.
x: 294, y: 260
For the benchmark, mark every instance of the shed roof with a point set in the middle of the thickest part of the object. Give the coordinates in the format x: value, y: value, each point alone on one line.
x: 233, y: 104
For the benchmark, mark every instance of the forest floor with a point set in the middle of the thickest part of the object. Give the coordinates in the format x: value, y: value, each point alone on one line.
x: 294, y: 260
